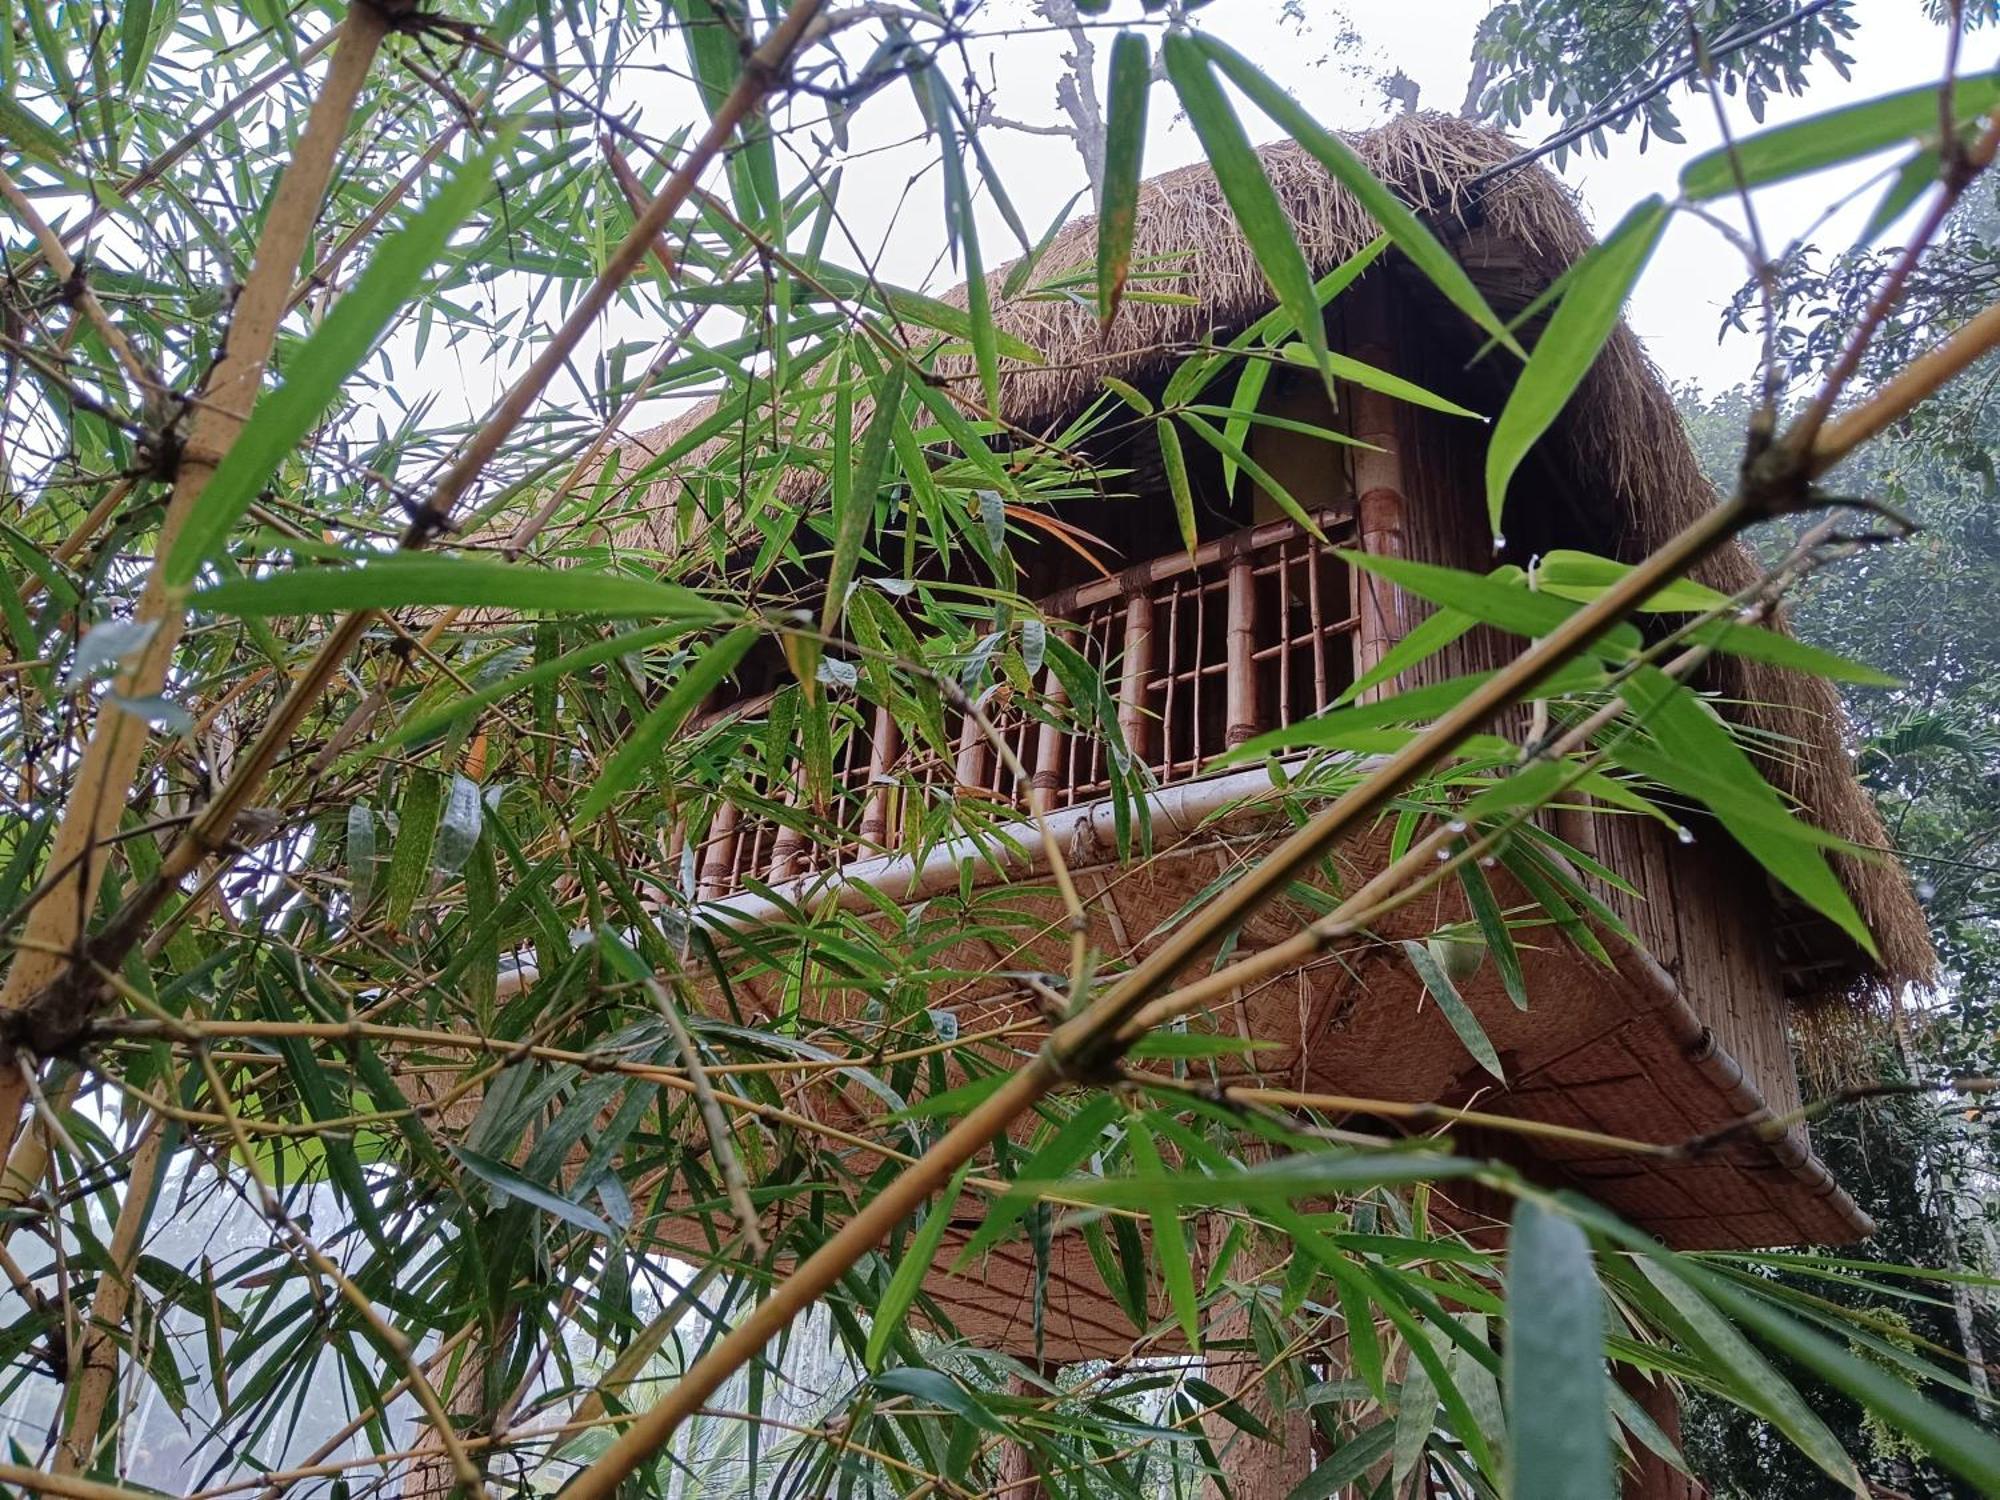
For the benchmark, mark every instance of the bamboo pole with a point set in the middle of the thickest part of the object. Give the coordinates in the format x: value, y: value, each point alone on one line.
x: 95, y: 1368
x: 111, y: 759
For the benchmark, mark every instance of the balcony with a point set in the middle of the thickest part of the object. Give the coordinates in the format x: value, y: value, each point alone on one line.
x: 1202, y: 650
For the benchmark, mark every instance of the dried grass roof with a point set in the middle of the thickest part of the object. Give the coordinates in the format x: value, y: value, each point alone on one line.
x: 1620, y: 437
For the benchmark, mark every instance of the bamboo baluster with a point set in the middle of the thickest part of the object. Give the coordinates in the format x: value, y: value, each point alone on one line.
x: 973, y: 754
x: 1134, y: 672
x: 718, y: 864
x: 886, y: 747
x: 676, y: 843
x: 1240, y: 675
x: 1048, y: 787
x: 1378, y: 485
x: 790, y: 842
x: 1316, y: 610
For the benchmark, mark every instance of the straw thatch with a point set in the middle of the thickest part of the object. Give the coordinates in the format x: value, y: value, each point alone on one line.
x: 1620, y: 441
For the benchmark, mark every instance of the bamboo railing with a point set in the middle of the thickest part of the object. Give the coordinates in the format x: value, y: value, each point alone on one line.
x: 1203, y: 651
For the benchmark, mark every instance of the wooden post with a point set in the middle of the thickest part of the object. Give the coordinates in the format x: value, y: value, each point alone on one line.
x: 886, y: 746
x: 1241, y: 678
x: 1134, y: 670
x: 1648, y: 1476
x: 787, y: 846
x: 1378, y: 486
x: 1254, y: 1469
x: 1019, y: 1477
x: 973, y: 755
x: 1048, y: 782
x: 718, y: 863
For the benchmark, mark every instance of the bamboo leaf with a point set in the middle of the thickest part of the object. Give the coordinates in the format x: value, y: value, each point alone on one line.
x: 855, y: 503
x: 281, y: 420
x: 397, y: 582
x: 1558, y: 1413
x: 1124, y: 148
x: 409, y: 874
x: 1174, y: 462
x: 1838, y: 135
x: 630, y: 643
x: 642, y: 751
x: 1398, y: 222
x: 1357, y: 372
x: 1304, y: 1175
x: 918, y: 1256
x: 1169, y: 1242
x: 1578, y: 329
x: 1691, y: 737
x: 1265, y: 224
x: 1453, y: 1007
x: 512, y: 1184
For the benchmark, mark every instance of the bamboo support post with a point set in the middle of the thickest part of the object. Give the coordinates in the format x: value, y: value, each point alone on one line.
x: 1134, y: 672
x: 1379, y: 490
x: 1240, y: 679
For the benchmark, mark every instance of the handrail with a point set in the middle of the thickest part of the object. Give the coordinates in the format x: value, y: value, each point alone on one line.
x: 1203, y: 650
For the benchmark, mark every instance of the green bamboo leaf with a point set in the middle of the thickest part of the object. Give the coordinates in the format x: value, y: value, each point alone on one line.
x: 409, y: 874
x: 1746, y: 1373
x: 1691, y: 739
x: 1018, y: 274
x: 1259, y: 213
x: 135, y: 34
x: 1582, y: 577
x: 918, y: 1257
x: 1398, y: 222
x: 1174, y: 462
x: 499, y: 1175
x: 1169, y: 1241
x: 1417, y: 705
x: 1453, y: 1007
x: 1493, y: 599
x: 1124, y: 148
x: 1581, y: 324
x: 1347, y: 1464
x: 1076, y: 1138
x: 941, y: 1391
x: 1262, y: 477
x: 1309, y: 1174
x: 643, y: 750
x: 1916, y: 175
x: 427, y: 726
x: 1357, y: 372
x: 1838, y: 135
x: 282, y: 418
x: 26, y: 133
x: 1969, y: 1450
x: 1558, y: 1413
x: 855, y: 502
x: 1494, y: 929
x: 398, y: 581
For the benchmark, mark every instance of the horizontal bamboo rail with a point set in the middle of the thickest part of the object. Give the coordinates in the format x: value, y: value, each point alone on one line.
x: 1200, y: 651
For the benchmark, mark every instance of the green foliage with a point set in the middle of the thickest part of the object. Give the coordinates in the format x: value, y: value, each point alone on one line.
x: 450, y: 1001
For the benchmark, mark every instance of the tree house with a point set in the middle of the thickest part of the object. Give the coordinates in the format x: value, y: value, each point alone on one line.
x: 1262, y: 624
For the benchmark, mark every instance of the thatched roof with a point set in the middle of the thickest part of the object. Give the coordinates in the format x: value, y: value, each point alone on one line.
x: 1620, y: 440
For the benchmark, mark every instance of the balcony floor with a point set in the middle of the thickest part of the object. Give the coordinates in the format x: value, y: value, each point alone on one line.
x: 1619, y: 1050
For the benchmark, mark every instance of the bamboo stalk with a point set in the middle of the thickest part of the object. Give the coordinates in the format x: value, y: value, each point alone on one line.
x: 118, y: 740
x: 95, y: 1369
x: 209, y: 834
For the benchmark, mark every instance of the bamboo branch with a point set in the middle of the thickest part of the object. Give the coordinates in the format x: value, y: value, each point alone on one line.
x: 118, y: 740
x: 52, y: 1013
